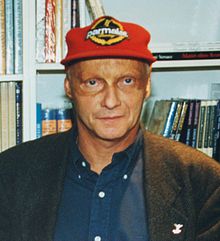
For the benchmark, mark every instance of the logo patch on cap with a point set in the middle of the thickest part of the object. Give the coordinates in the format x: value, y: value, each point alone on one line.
x: 107, y: 31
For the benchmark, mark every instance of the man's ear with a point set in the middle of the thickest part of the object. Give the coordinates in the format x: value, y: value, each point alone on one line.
x: 148, y: 85
x: 67, y: 88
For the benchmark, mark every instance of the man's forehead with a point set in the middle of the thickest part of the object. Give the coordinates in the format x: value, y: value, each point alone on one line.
x: 109, y: 62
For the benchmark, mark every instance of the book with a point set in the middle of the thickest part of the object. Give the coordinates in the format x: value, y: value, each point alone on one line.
x: 49, y: 125
x: 189, y: 123
x: 187, y: 55
x: 216, y: 137
x: 182, y: 119
x: 9, y: 36
x: 211, y: 127
x: 40, y: 30
x: 4, y: 114
x: 66, y: 23
x: 2, y: 38
x: 50, y: 33
x: 95, y: 8
x: 64, y: 119
x: 19, y: 115
x: 170, y: 118
x: 75, y: 20
x: 176, y: 119
x: 18, y: 37
x: 39, y: 120
x: 195, y: 123
x: 201, y: 124
x: 11, y: 114
x: 58, y: 30
x: 206, y: 127
x: 158, y: 116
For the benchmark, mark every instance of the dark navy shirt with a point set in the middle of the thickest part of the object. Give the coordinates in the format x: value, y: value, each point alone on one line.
x: 105, y: 207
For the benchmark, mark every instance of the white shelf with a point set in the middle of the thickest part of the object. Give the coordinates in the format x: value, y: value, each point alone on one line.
x: 187, y: 64
x: 49, y: 66
x: 203, y: 63
x: 13, y: 77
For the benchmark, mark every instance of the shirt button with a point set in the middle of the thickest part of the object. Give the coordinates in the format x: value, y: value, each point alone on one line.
x: 101, y: 194
x: 125, y: 177
x: 83, y: 164
x: 79, y: 176
x: 97, y: 238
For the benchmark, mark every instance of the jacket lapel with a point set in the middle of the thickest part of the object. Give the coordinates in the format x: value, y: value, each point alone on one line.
x: 40, y: 207
x: 165, y: 220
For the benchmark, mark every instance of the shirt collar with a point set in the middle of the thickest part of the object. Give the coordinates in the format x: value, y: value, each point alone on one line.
x: 122, y: 162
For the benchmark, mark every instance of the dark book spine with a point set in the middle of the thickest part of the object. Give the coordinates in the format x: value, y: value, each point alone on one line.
x: 75, y: 14
x: 19, y: 119
x: 166, y: 56
x: 195, y: 123
x: 190, y: 123
x: 216, y: 137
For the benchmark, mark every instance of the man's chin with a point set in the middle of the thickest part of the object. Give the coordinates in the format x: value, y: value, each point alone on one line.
x: 111, y: 135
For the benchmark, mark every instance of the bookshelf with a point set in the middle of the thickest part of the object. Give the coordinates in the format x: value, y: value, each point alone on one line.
x: 44, y: 81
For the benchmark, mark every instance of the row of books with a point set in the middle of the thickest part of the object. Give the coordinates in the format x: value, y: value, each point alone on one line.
x: 187, y: 51
x: 10, y: 114
x: 54, y: 19
x: 50, y: 121
x: 11, y: 37
x: 191, y: 121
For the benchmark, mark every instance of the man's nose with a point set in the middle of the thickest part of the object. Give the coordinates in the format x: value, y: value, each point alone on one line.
x: 111, y: 97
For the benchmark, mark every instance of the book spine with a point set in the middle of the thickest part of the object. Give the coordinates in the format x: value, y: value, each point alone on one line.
x: 64, y: 120
x: 58, y: 30
x: 167, y: 56
x: 66, y: 22
x: 170, y: 119
x: 75, y: 20
x: 206, y: 127
x: 18, y: 37
x: 216, y: 137
x: 19, y: 115
x: 189, y: 123
x: 11, y: 114
x: 2, y: 38
x: 40, y: 31
x: 200, y: 135
x: 9, y: 36
x: 91, y: 9
x: 50, y: 35
x: 4, y: 115
x: 176, y: 120
x: 181, y: 120
x: 48, y: 121
x: 39, y: 120
x: 195, y: 123
x: 212, y: 127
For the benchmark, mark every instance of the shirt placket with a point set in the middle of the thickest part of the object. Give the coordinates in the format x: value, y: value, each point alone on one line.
x: 100, y: 212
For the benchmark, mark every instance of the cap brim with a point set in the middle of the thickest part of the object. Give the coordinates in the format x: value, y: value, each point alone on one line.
x: 131, y: 54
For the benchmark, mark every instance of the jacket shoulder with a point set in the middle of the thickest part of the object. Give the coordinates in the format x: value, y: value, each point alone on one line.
x: 34, y: 151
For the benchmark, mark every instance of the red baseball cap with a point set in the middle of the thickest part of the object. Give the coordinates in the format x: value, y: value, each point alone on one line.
x: 108, y: 37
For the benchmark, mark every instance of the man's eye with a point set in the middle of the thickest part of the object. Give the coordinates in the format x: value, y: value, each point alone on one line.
x: 128, y: 81
x: 92, y: 82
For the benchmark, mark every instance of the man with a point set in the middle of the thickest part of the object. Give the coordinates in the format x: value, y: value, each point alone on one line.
x: 107, y: 179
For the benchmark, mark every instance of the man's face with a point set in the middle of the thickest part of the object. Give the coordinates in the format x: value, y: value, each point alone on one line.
x: 108, y: 96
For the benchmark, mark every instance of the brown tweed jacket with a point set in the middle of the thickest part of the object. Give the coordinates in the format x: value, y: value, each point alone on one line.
x: 182, y: 190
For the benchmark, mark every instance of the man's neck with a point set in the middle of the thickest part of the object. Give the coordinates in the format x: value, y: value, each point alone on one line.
x: 99, y: 152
